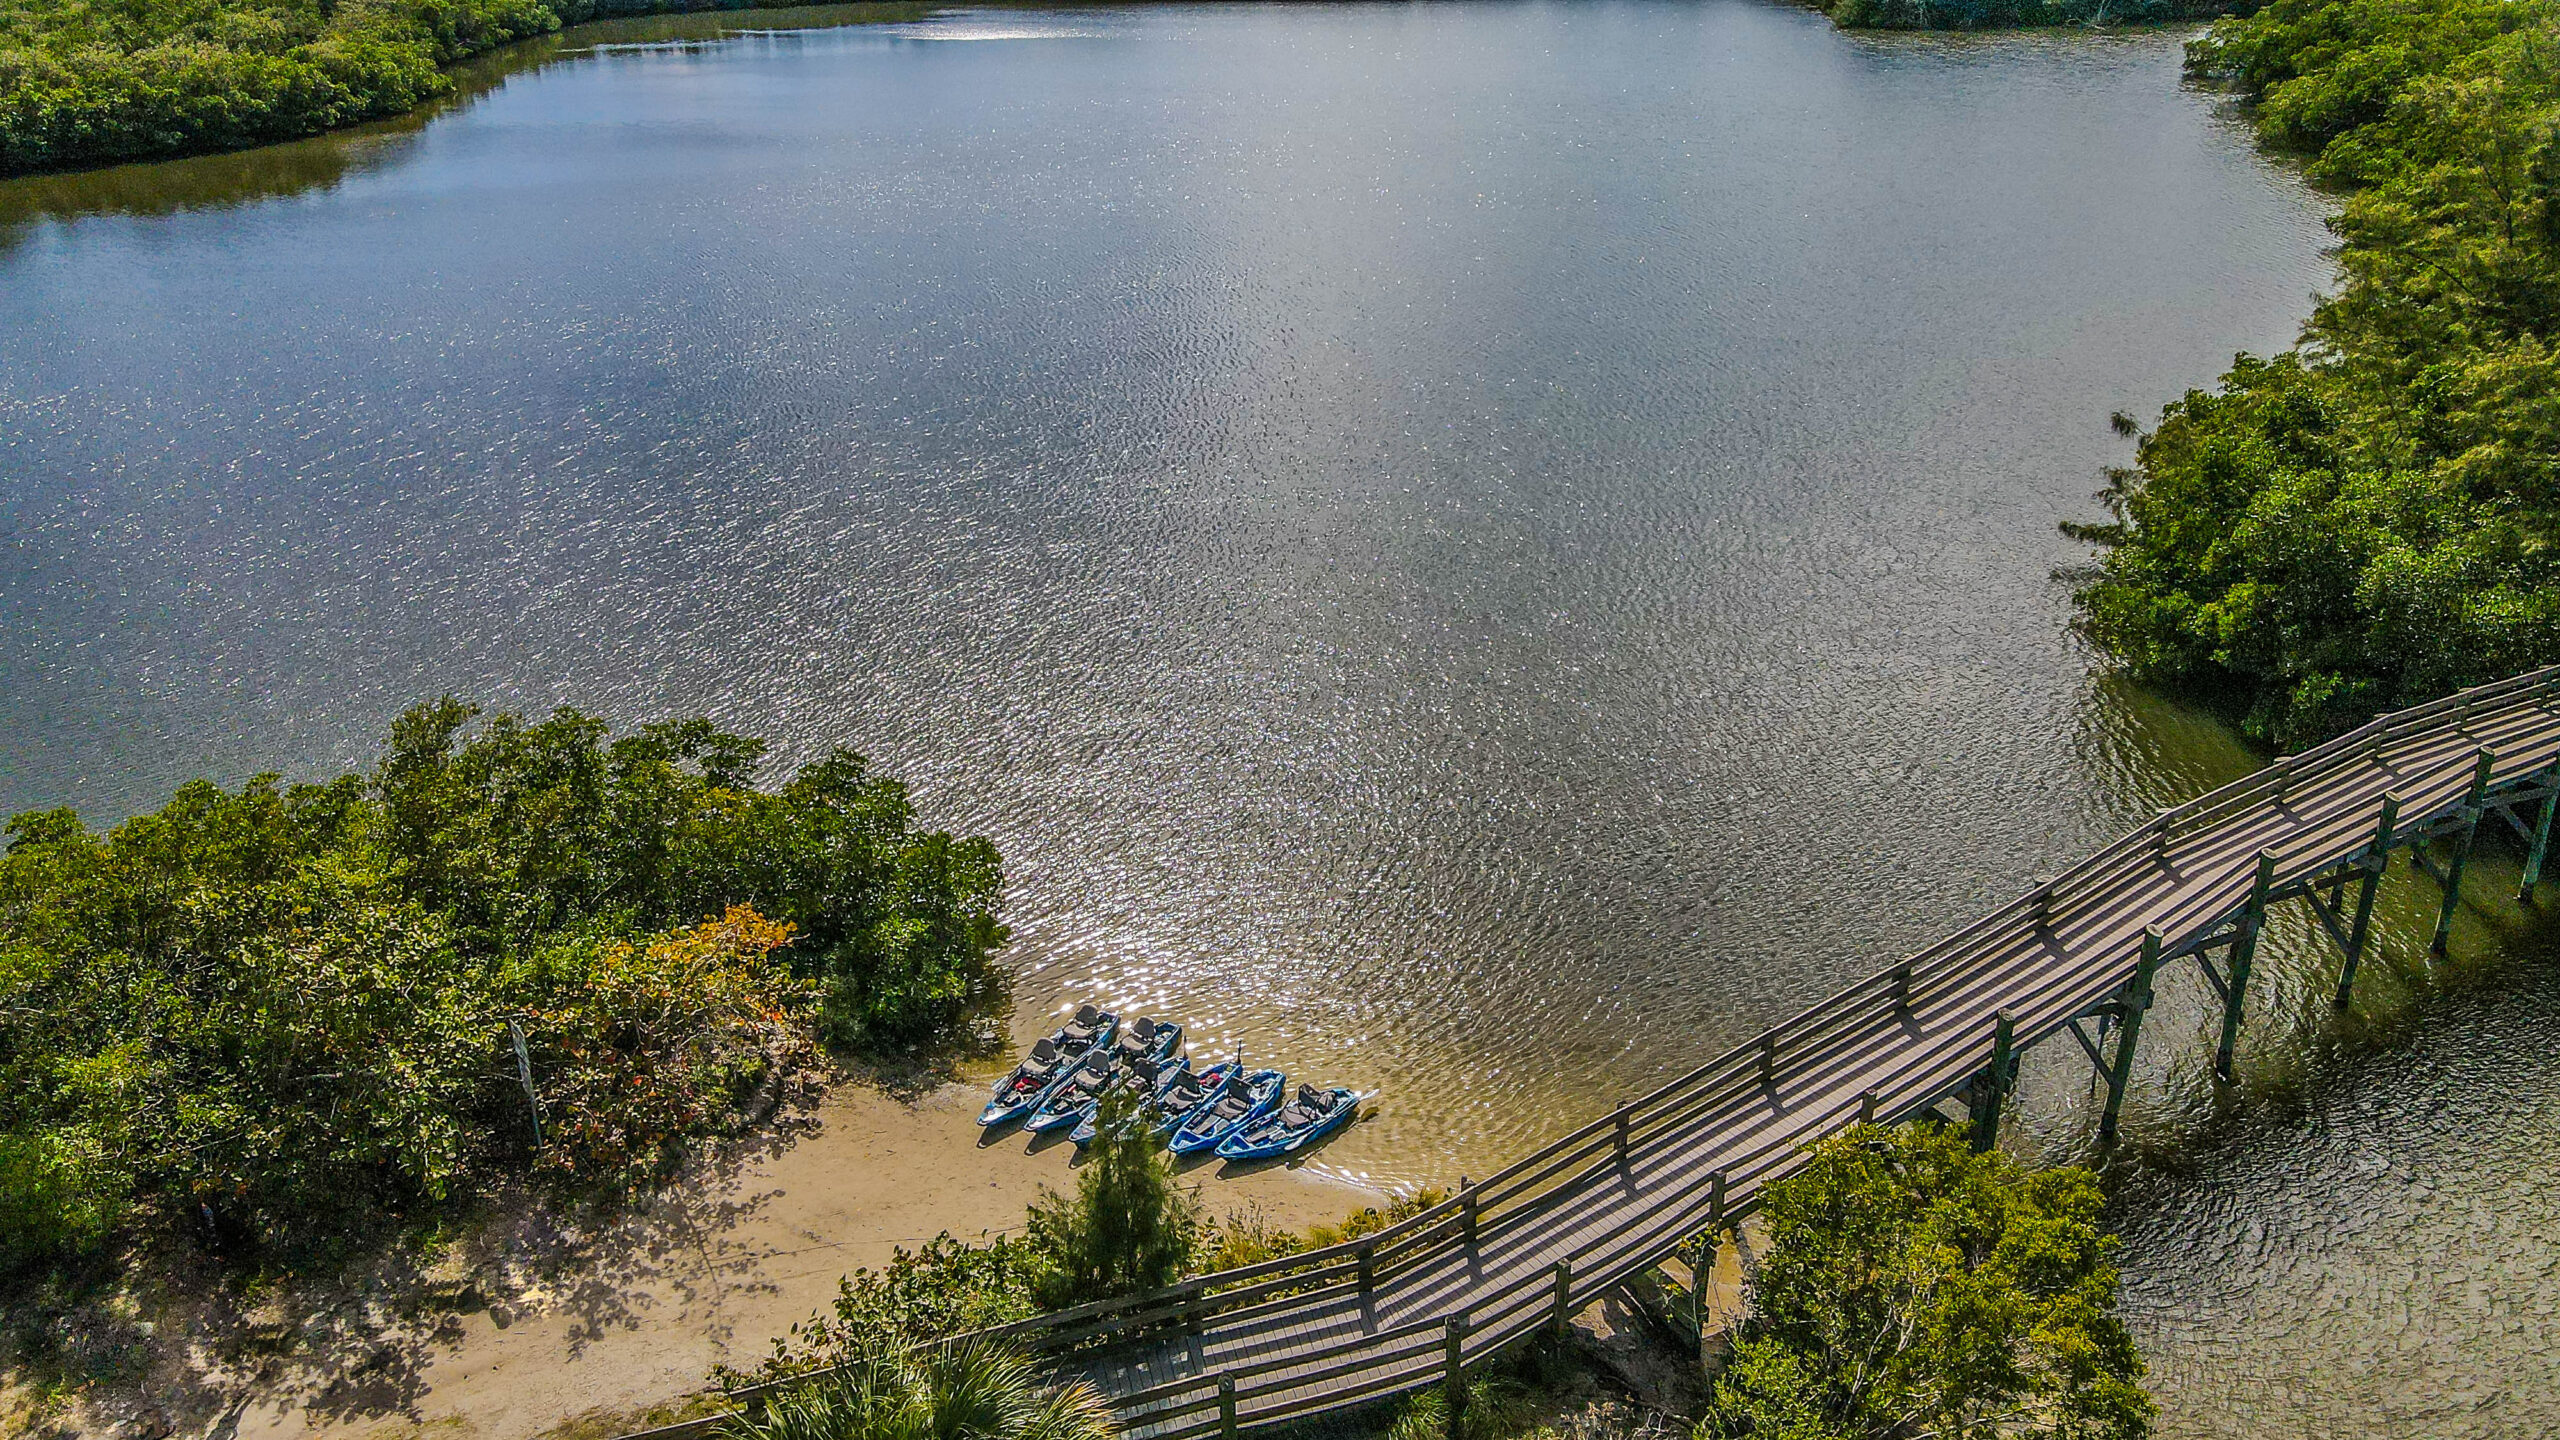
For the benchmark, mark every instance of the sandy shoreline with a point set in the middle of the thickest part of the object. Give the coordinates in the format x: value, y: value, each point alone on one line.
x: 752, y: 1239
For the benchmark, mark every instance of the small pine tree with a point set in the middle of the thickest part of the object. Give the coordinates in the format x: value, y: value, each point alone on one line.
x: 1127, y: 1228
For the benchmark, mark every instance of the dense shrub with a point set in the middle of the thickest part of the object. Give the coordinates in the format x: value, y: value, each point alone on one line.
x: 296, y: 1009
x: 1997, y: 14
x: 947, y: 1288
x: 971, y: 1391
x: 89, y: 83
x: 1907, y: 1286
x: 2367, y: 522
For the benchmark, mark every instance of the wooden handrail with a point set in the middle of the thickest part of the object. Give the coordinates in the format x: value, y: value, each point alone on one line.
x: 1959, y: 980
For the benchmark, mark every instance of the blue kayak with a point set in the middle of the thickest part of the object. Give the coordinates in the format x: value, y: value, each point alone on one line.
x: 1315, y: 1114
x: 1246, y: 1102
x: 1184, y: 1093
x: 1147, y: 1038
x: 1048, y: 1065
x: 1143, y: 1075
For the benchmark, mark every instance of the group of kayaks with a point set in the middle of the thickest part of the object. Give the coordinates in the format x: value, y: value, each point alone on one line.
x: 1225, y: 1110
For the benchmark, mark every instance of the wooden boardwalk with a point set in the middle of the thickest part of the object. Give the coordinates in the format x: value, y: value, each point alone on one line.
x: 1317, y: 1332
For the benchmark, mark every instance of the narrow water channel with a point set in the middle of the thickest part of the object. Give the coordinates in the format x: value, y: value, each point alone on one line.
x: 1483, y: 550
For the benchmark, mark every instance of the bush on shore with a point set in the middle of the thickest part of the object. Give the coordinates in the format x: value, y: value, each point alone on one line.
x: 289, y: 1012
x: 2012, y: 14
x: 970, y: 1391
x: 85, y: 83
x: 1908, y: 1286
x: 2367, y: 521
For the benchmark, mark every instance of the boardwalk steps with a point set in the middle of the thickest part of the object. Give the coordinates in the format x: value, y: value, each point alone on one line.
x: 1394, y: 1310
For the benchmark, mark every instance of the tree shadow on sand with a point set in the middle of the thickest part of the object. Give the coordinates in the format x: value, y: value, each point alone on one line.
x: 198, y: 1344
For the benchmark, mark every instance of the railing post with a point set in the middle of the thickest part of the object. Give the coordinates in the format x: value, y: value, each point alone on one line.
x: 1715, y: 1198
x: 1467, y: 1210
x: 2244, y: 952
x: 1902, y: 991
x: 1869, y: 1101
x: 2462, y: 850
x: 1625, y: 1114
x: 1992, y: 1086
x: 2541, y: 837
x: 2137, y: 999
x: 2376, y: 860
x: 1368, y: 1258
x: 1456, y: 1335
x: 1227, y: 1406
x: 1769, y: 1059
x: 1562, y: 1319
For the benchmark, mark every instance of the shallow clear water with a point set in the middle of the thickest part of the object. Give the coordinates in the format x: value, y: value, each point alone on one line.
x: 1482, y: 550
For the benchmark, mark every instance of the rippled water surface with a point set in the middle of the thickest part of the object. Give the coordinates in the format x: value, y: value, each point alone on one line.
x: 1481, y: 550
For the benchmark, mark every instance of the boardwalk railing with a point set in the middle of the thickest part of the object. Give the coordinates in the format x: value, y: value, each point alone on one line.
x: 1402, y: 1307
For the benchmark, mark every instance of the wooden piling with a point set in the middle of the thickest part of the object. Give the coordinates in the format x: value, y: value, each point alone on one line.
x: 2541, y: 838
x: 1227, y: 1406
x: 2137, y: 999
x: 2377, y: 859
x: 1992, y: 1086
x: 1455, y: 1333
x: 1562, y: 1320
x: 2462, y: 850
x: 2244, y: 952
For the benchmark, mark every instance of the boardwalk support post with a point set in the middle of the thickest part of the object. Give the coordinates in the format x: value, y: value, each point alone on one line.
x: 1562, y: 1320
x: 2462, y: 850
x: 2377, y: 858
x: 2244, y: 952
x: 2541, y: 838
x: 2137, y: 999
x: 1457, y: 1375
x: 1991, y: 1087
x: 1227, y: 1406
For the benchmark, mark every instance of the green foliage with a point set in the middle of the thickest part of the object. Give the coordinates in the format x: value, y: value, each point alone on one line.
x: 1128, y: 1228
x: 2369, y: 521
x: 968, y: 1391
x: 285, y: 1010
x: 1909, y: 1286
x: 90, y: 83
x: 2001, y: 14
x: 947, y: 1288
x: 1497, y: 1407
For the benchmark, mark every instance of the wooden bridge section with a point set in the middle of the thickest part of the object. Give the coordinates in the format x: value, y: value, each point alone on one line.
x: 1404, y: 1307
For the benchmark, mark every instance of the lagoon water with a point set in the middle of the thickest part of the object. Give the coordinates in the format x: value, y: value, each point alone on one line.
x: 1485, y: 550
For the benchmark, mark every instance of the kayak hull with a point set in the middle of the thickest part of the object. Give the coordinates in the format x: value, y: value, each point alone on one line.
x: 1000, y: 1109
x: 1266, y: 1086
x: 1261, y: 1141
x: 1092, y: 1114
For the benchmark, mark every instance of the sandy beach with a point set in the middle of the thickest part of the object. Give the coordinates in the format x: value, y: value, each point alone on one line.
x: 524, y: 1330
